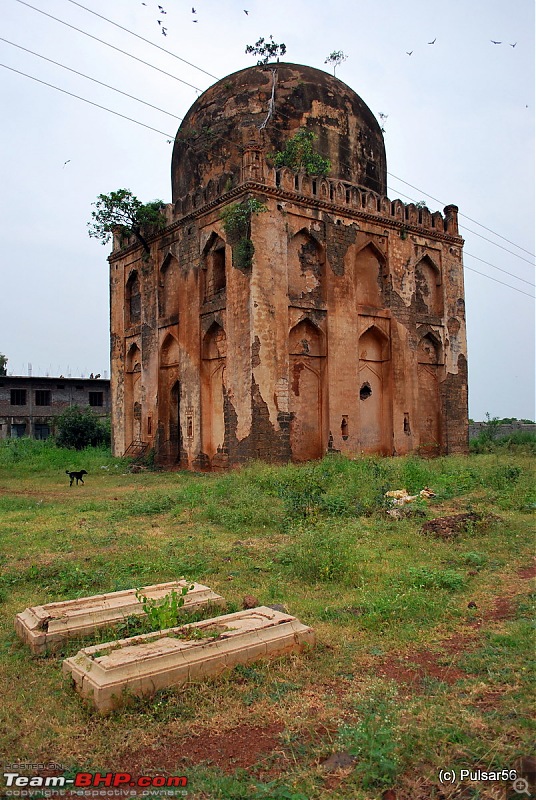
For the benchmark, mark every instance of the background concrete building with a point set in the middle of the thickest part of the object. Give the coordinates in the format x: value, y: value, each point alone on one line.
x: 339, y: 327
x: 29, y: 406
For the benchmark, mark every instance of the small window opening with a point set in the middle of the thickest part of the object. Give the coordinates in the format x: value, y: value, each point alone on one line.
x: 347, y: 196
x: 18, y: 397
x: 149, y: 426
x: 365, y: 391
x: 189, y: 426
x: 42, y: 397
x: 96, y: 399
x: 314, y: 186
x: 407, y: 428
x: 344, y: 427
x: 296, y: 182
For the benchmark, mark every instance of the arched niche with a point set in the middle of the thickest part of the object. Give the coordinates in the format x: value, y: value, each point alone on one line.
x: 368, y: 276
x: 214, y: 274
x: 305, y: 268
x: 429, y: 399
x: 169, y: 351
x: 213, y: 363
x: 307, y: 366
x: 169, y: 398
x: 168, y: 287
x: 133, y: 299
x: 132, y: 395
x: 373, y: 395
x: 428, y: 289
x: 306, y: 338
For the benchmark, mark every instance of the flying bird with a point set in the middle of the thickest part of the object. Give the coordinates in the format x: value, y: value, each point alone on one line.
x: 195, y: 20
x: 433, y: 41
x: 493, y: 42
x: 66, y: 162
x: 246, y: 12
x: 164, y: 31
x: 512, y: 45
x: 194, y: 11
x: 162, y: 10
x: 410, y: 52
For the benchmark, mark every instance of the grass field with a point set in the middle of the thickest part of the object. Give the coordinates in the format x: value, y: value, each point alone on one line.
x: 406, y: 678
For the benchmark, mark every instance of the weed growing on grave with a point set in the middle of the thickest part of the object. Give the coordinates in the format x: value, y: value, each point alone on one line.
x: 164, y: 612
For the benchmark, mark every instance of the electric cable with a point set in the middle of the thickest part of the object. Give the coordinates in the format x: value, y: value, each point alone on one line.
x: 124, y: 52
x: 22, y: 2
x: 169, y: 136
x: 169, y: 52
x: 89, y: 78
x: 91, y: 103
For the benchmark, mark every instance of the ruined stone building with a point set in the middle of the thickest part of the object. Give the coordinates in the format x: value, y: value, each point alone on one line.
x: 335, y: 322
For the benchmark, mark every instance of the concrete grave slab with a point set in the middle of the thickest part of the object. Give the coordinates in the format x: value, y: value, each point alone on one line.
x: 142, y: 665
x: 46, y: 627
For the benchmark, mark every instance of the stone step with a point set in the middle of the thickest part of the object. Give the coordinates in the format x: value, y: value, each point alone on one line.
x: 45, y: 628
x: 108, y: 673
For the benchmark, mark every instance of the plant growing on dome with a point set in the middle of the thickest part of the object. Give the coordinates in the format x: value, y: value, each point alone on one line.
x: 266, y: 50
x: 335, y: 59
x: 237, y: 226
x: 300, y: 156
x: 122, y: 212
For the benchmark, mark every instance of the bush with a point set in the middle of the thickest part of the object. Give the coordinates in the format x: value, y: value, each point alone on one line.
x: 79, y: 428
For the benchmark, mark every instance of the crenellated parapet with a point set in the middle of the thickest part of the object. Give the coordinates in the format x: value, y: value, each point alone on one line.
x: 318, y: 190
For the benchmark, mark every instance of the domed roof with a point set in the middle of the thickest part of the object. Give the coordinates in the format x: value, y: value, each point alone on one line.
x: 231, y: 113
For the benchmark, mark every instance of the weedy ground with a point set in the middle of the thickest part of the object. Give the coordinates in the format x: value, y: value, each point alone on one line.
x: 425, y: 646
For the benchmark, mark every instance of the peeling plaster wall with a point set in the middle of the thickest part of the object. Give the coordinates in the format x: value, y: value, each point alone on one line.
x: 346, y: 333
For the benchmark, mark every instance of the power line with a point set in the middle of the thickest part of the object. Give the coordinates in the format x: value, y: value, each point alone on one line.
x: 124, y: 52
x: 89, y: 78
x: 91, y: 103
x: 497, y: 281
x: 464, y: 215
x: 498, y: 268
x: 144, y: 40
x: 481, y: 259
x: 169, y: 136
x: 463, y: 226
x: 281, y: 113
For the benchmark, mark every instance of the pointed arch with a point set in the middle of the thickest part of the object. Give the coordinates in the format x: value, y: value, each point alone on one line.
x: 307, y: 403
x: 214, y: 276
x: 169, y: 351
x: 428, y: 288
x: 375, y: 425
x: 306, y: 259
x: 133, y: 298
x: 429, y: 399
x: 213, y: 361
x: 369, y: 270
x: 168, y: 286
x: 132, y: 394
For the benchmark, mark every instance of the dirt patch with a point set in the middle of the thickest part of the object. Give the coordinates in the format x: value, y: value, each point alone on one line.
x: 528, y: 572
x: 456, y: 524
x: 238, y: 748
x: 418, y: 667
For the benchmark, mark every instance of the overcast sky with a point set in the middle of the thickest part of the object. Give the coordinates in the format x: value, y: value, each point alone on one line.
x: 459, y: 127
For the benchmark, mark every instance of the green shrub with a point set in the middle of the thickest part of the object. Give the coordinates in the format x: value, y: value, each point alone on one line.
x: 79, y: 428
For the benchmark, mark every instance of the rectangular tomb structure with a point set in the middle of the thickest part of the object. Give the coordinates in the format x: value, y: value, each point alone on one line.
x: 106, y: 673
x: 46, y: 627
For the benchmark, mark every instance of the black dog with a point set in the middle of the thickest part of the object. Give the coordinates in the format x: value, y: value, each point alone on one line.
x: 77, y: 475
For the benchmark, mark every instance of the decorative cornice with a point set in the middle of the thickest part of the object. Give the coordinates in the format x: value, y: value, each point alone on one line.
x: 299, y: 199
